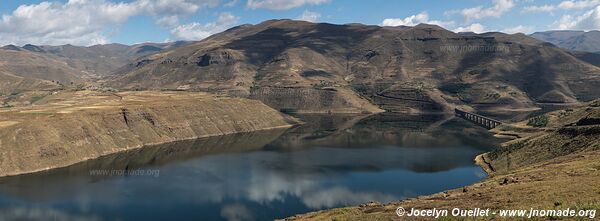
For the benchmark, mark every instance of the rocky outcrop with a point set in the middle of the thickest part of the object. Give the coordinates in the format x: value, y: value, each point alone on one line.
x: 76, y: 127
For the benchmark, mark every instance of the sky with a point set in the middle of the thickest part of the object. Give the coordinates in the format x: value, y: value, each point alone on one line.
x: 89, y: 22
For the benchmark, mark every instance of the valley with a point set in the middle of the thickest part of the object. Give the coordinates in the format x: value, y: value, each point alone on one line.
x: 293, y: 102
x: 550, y: 167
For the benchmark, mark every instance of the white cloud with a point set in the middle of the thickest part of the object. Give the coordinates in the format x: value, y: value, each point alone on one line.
x: 231, y: 3
x: 498, y: 9
x: 74, y: 22
x: 564, y: 5
x: 518, y: 29
x: 309, y: 16
x: 282, y: 4
x: 413, y: 20
x: 168, y: 21
x: 86, y: 22
x: 169, y: 12
x: 587, y: 21
x: 197, y: 31
x: 476, y: 27
x: 539, y: 8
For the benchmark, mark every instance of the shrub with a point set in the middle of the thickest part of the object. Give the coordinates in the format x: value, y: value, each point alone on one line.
x: 539, y: 121
x: 36, y: 98
x: 361, y: 88
x: 6, y: 105
x: 455, y: 88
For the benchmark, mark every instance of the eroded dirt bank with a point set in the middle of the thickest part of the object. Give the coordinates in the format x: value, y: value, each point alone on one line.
x: 72, y: 127
x: 555, y: 167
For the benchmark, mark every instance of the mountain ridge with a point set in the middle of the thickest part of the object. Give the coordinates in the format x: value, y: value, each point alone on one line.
x: 415, y: 69
x: 588, y: 41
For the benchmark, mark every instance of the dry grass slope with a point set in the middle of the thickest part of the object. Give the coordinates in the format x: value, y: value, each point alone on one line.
x: 67, y: 128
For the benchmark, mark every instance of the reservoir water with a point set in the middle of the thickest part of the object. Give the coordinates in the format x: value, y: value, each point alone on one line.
x: 331, y: 161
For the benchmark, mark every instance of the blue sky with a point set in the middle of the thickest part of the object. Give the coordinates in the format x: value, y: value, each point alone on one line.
x: 88, y: 22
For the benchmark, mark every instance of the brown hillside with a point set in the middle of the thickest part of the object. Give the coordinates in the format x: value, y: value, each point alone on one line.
x: 302, y: 66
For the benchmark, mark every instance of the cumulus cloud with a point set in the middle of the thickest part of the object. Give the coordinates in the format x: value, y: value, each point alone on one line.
x: 75, y: 22
x: 413, y: 20
x: 518, y: 29
x: 282, y: 4
x: 198, y: 31
x: 498, y: 8
x: 587, y: 21
x: 309, y: 16
x: 87, y: 22
x: 476, y: 27
x: 564, y: 5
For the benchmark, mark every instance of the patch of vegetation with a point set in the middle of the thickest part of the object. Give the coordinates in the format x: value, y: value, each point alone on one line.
x: 458, y: 89
x: 37, y: 98
x: 254, y: 86
x: 5, y: 104
x: 493, y: 96
x: 565, y: 113
x: 455, y: 88
x: 360, y: 88
x: 323, y: 83
x: 79, y: 87
x: 539, y: 121
x: 381, y: 87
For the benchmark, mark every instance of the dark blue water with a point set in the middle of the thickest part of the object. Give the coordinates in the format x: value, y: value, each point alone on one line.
x: 331, y: 161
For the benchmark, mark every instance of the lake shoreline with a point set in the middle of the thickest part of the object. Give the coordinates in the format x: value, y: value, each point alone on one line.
x: 553, y: 167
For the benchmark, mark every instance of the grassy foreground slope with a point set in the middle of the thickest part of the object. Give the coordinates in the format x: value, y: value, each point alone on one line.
x: 66, y: 128
x: 555, y: 167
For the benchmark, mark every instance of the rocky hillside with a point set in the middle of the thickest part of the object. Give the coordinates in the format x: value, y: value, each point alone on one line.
x: 302, y: 66
x: 563, y: 132
x: 67, y: 128
x: 588, y: 41
x: 99, y: 60
x: 10, y: 84
x: 43, y: 68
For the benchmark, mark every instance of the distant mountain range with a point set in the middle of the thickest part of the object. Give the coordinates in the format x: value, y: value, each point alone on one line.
x: 588, y: 41
x: 30, y: 65
x: 318, y: 67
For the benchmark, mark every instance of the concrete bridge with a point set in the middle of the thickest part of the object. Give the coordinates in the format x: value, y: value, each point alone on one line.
x: 486, y: 122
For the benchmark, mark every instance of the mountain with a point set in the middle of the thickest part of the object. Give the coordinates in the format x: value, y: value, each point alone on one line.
x: 588, y: 41
x: 10, y: 84
x: 33, y: 67
x: 16, y: 61
x: 303, y: 66
x: 99, y: 60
